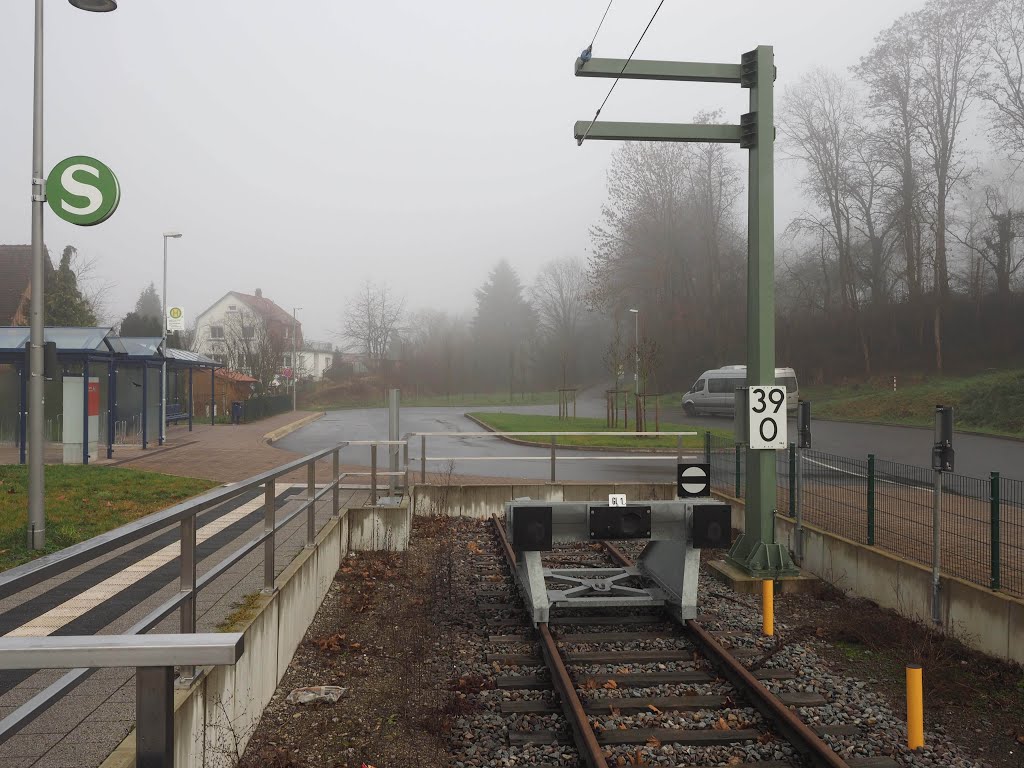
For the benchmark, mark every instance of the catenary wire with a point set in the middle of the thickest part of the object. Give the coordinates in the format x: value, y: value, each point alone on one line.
x: 616, y: 82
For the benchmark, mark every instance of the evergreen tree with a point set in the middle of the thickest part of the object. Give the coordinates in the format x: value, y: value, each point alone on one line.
x: 65, y: 304
x: 145, y: 319
x: 502, y: 329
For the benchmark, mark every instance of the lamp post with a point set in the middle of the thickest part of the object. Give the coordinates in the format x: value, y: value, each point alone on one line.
x: 163, y: 342
x: 636, y: 367
x: 295, y: 361
x: 36, y: 459
x: 636, y: 349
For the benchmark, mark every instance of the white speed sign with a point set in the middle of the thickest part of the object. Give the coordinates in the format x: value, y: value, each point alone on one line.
x: 767, y: 418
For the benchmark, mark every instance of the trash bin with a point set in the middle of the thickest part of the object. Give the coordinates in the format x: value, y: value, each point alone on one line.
x: 236, y: 411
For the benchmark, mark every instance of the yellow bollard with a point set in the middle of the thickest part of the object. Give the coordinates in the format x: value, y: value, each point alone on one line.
x: 768, y: 607
x: 915, y: 707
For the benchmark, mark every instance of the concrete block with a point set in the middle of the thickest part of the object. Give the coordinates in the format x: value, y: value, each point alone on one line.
x: 983, y: 622
x: 482, y: 501
x: 1015, y: 623
x: 738, y: 581
x: 443, y: 500
x: 545, y: 492
x: 373, y: 529
x: 576, y: 492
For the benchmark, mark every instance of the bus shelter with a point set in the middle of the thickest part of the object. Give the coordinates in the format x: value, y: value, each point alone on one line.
x: 108, y: 390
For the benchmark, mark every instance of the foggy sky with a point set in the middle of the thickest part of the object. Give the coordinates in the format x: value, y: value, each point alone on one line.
x: 303, y: 147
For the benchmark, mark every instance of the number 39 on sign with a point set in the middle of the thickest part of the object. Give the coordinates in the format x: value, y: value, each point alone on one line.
x: 767, y: 418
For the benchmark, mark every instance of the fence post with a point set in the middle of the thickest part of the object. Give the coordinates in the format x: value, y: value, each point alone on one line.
x: 269, y: 520
x: 187, y: 583
x: 336, y: 479
x: 311, y: 510
x: 738, y: 446
x: 792, y: 480
x: 871, y: 499
x: 994, y: 480
x: 553, y: 440
x: 707, y: 446
x: 373, y: 473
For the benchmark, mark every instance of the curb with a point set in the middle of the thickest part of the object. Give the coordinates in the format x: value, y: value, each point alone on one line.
x: 958, y: 431
x: 287, y: 429
x: 598, y: 448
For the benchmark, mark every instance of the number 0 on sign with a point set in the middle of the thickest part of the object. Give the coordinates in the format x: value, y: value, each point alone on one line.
x: 767, y: 418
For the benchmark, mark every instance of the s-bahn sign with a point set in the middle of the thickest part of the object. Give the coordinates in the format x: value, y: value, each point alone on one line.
x: 83, y: 191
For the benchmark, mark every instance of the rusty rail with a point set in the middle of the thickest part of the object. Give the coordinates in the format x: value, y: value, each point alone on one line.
x: 586, y: 742
x: 796, y: 731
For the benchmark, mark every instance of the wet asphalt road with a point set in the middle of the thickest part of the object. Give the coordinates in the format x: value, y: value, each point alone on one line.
x: 975, y: 455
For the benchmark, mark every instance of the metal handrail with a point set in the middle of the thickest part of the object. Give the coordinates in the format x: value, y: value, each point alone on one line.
x: 185, y: 514
x: 552, y: 457
x: 28, y: 574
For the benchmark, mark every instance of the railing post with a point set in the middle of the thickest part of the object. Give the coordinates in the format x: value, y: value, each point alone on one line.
x: 553, y: 440
x: 311, y: 509
x: 154, y: 717
x: 994, y: 496
x: 738, y: 446
x: 937, y: 549
x: 792, y: 480
x: 373, y: 473
x: 269, y: 520
x: 187, y: 583
x: 336, y: 479
x: 423, y: 459
x: 679, y: 449
x: 707, y: 446
x: 405, y: 463
x: 871, y: 499
x: 799, y: 485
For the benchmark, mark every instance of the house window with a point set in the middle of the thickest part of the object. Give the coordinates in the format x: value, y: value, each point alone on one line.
x: 216, y: 332
x: 232, y: 307
x: 247, y: 331
x: 222, y: 359
x: 287, y: 361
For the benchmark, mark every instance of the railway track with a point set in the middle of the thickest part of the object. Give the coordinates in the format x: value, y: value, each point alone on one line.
x: 623, y: 687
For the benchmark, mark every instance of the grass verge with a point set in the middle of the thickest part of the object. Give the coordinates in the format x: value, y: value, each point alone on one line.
x: 991, y: 403
x: 516, y: 422
x: 82, y: 502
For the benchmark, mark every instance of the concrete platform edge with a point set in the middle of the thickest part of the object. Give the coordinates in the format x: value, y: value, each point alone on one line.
x: 287, y: 429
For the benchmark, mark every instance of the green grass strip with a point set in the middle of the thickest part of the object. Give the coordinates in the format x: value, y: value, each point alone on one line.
x: 516, y: 422
x: 82, y: 502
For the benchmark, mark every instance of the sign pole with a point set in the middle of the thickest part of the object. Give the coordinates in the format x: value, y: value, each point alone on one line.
x: 36, y: 514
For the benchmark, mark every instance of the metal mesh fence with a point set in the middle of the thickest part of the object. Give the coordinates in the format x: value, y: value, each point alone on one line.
x: 891, y: 505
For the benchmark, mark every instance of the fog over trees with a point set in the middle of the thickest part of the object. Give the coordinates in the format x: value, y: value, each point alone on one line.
x: 906, y: 256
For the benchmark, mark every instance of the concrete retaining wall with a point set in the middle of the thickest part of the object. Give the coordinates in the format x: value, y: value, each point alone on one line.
x: 216, y: 716
x: 480, y: 501
x: 988, y: 621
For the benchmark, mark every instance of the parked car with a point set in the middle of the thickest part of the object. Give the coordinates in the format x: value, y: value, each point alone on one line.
x: 715, y: 390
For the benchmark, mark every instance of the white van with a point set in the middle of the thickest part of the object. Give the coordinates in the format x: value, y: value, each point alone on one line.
x: 715, y: 390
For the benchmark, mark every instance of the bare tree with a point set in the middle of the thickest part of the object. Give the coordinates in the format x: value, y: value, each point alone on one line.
x: 1004, y: 33
x: 559, y: 295
x: 889, y: 71
x: 373, y: 317
x: 252, y: 348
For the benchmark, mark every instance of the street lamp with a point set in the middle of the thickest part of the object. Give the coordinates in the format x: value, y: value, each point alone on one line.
x: 36, y: 459
x: 163, y: 343
x: 636, y: 348
x: 295, y: 366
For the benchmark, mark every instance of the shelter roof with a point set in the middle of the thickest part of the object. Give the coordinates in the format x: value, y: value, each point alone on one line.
x: 66, y: 339
x: 101, y: 341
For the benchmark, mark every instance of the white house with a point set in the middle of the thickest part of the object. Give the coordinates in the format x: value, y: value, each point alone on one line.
x: 314, y: 358
x: 212, y: 325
